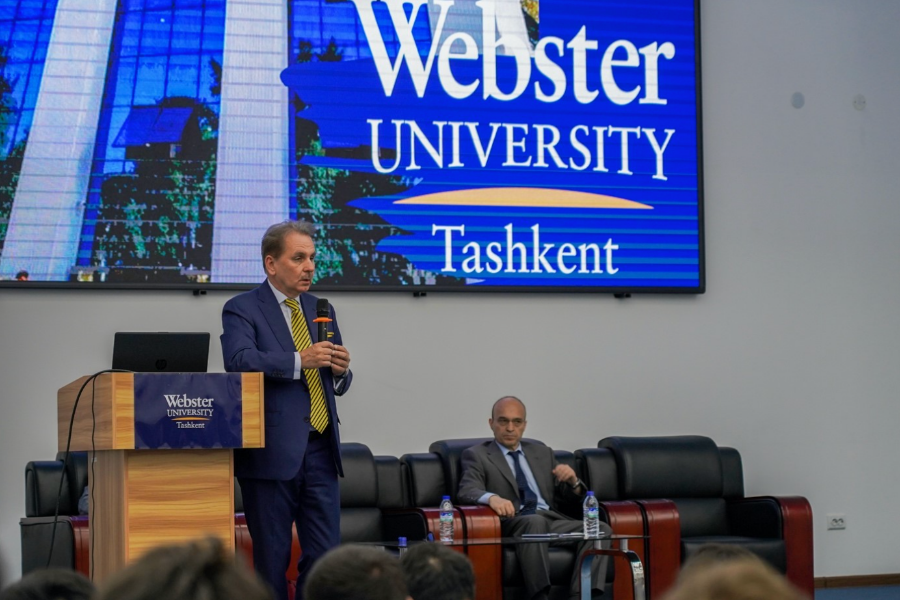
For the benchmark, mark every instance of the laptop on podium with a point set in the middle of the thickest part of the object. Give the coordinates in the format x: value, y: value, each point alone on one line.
x: 161, y: 352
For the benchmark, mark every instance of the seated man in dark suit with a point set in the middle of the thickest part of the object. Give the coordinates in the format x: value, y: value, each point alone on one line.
x: 523, y: 483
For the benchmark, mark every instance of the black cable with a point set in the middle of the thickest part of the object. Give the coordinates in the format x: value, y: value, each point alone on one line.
x: 67, y: 453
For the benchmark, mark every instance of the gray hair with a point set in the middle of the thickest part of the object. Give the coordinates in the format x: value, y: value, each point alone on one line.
x: 273, y: 239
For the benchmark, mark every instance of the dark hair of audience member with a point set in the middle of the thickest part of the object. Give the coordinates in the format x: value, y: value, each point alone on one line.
x: 738, y: 579
x: 435, y: 572
x: 198, y: 570
x: 356, y: 573
x: 712, y: 554
x: 50, y: 584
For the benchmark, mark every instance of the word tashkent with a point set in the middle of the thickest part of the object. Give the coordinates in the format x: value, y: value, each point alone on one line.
x: 511, y: 256
x: 580, y: 147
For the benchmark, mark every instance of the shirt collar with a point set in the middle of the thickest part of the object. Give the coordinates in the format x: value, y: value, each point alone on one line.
x: 506, y: 450
x: 278, y: 295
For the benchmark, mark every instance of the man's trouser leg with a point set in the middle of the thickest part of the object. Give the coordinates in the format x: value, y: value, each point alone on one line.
x: 562, y: 524
x: 533, y: 559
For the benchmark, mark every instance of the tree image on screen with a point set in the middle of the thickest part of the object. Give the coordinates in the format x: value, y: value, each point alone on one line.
x: 10, y: 160
x: 346, y: 245
x: 155, y: 222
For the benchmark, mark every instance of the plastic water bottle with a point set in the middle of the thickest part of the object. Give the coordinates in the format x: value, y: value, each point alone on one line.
x: 591, y: 516
x: 446, y: 520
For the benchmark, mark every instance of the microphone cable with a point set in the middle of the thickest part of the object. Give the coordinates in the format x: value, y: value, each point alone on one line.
x: 66, y: 455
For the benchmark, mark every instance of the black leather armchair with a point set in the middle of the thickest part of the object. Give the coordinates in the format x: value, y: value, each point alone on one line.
x: 70, y: 546
x: 691, y: 493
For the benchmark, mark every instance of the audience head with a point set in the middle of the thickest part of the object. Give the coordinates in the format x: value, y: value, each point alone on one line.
x: 199, y: 570
x: 435, y: 572
x: 356, y: 573
x: 508, y: 421
x: 50, y: 584
x: 713, y: 554
x: 737, y: 579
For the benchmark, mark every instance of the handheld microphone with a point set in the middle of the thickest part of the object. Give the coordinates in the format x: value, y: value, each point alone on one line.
x: 322, y: 318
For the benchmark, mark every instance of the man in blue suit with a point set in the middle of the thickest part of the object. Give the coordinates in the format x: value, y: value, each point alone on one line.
x: 294, y: 479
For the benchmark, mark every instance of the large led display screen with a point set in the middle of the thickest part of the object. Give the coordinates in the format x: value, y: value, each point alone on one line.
x: 485, y: 145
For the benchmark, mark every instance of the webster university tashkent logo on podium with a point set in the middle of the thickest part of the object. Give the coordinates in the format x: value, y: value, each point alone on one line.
x: 187, y: 410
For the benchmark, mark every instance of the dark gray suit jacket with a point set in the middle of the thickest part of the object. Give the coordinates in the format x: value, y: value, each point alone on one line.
x: 485, y: 470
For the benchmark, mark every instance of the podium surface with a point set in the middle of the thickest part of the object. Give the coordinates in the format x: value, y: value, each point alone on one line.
x: 161, y: 469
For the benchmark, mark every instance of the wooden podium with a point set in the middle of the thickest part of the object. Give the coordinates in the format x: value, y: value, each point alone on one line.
x: 142, y: 497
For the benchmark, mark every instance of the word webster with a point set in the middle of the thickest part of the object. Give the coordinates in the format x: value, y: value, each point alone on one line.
x: 523, y: 145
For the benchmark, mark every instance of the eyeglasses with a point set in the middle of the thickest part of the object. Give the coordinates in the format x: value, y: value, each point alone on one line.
x: 503, y: 422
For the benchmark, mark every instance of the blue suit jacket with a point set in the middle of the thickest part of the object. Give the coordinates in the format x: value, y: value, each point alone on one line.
x: 256, y: 338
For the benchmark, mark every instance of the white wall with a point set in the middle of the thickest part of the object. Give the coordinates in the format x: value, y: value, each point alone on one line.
x: 789, y: 357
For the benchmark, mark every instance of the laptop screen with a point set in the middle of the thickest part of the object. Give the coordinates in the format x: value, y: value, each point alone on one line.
x: 152, y: 352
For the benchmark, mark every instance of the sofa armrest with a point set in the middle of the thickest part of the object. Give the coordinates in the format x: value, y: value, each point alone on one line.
x: 71, y: 546
x: 625, y: 518
x: 432, y: 520
x: 243, y: 544
x: 481, y: 522
x: 663, y: 560
x: 797, y: 531
x: 407, y: 522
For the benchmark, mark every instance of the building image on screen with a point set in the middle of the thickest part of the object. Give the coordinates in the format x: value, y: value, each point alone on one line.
x: 480, y: 145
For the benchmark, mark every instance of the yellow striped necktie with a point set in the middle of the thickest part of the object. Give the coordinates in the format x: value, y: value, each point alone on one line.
x: 318, y: 412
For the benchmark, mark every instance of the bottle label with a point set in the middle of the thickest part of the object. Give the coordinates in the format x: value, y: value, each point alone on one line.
x: 446, y: 517
x: 592, y: 513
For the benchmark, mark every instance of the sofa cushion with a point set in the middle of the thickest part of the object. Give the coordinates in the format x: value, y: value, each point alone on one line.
x: 770, y: 550
x: 667, y: 467
x: 598, y: 470
x: 425, y: 475
x: 702, y: 516
x: 359, y: 485
x: 391, y: 487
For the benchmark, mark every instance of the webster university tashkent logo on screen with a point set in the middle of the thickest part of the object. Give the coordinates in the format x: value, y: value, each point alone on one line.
x: 551, y: 143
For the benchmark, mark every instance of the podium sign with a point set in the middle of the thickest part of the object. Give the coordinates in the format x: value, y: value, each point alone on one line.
x: 162, y: 470
x: 187, y: 410
x: 119, y: 408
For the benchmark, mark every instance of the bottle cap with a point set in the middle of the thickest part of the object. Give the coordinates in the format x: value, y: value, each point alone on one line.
x: 590, y: 493
x: 401, y: 541
x: 446, y: 497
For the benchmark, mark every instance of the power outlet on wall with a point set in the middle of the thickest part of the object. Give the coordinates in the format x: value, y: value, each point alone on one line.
x: 837, y: 521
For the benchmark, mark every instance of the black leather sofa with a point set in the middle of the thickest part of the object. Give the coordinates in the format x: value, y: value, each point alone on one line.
x: 680, y: 491
x: 691, y: 493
